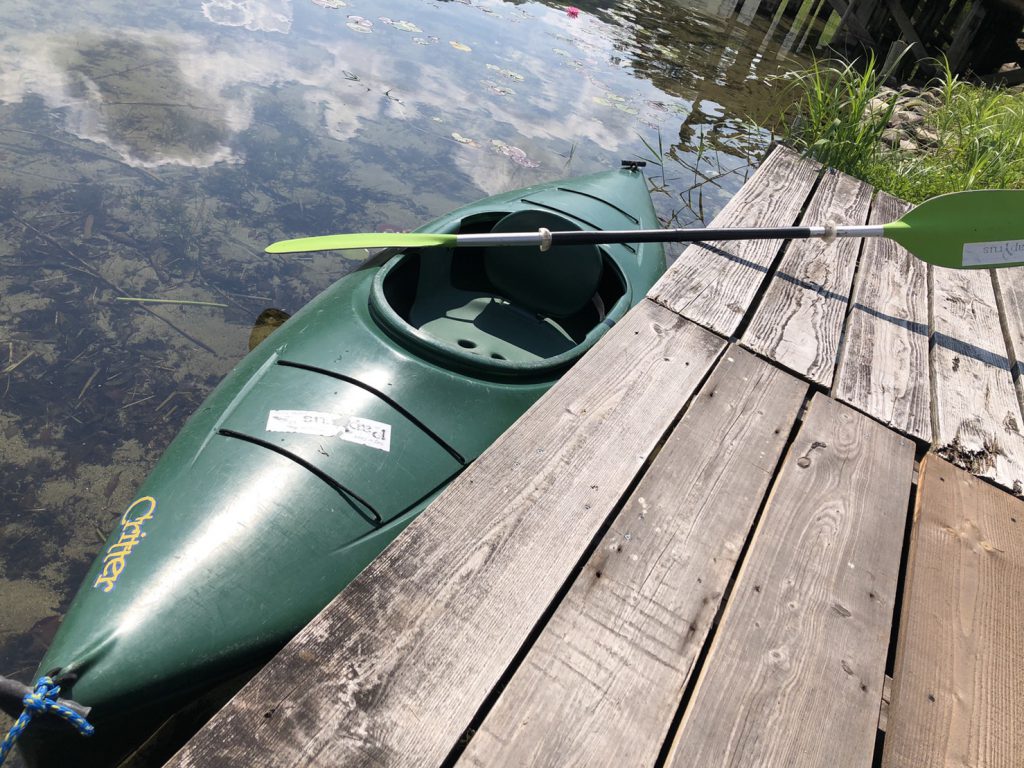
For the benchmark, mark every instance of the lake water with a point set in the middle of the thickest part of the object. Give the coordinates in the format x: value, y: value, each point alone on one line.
x: 151, y: 150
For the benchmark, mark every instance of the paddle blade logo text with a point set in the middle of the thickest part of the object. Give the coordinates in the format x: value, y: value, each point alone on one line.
x: 991, y: 254
x: 132, y: 521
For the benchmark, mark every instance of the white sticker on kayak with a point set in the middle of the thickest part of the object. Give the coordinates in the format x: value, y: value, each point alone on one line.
x: 997, y: 252
x: 375, y: 434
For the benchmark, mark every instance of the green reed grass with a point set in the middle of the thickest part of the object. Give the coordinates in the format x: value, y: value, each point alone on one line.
x: 829, y: 116
x: 698, y: 162
x: 980, y: 131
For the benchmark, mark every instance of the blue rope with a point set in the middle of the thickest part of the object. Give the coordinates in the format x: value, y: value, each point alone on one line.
x: 43, y: 699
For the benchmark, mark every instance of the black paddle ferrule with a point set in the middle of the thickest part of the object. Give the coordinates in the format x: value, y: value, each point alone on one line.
x: 679, y: 235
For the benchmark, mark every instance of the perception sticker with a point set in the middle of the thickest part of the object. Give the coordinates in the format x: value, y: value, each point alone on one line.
x: 375, y: 434
x: 998, y: 252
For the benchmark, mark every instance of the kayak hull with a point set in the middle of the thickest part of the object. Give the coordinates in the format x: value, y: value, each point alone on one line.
x: 318, y: 449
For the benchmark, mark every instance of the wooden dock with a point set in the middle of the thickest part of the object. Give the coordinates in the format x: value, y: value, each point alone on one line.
x: 712, y: 543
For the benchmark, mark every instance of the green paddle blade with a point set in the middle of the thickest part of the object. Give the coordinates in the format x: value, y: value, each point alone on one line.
x: 364, y: 240
x: 965, y: 230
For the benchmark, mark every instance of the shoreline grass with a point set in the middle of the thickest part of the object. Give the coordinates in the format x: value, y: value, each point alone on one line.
x: 839, y: 112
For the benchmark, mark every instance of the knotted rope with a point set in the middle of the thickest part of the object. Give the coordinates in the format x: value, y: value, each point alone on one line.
x: 43, y: 699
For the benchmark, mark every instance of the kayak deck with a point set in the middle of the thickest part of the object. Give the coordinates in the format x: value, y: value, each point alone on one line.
x: 693, y: 552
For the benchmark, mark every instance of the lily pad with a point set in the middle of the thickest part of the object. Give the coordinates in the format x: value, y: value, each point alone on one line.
x: 330, y: 4
x: 465, y: 140
x: 501, y: 90
x: 515, y: 154
x: 506, y: 73
x: 459, y: 46
x: 359, y: 24
x: 426, y: 40
x: 404, y: 26
x: 617, y: 102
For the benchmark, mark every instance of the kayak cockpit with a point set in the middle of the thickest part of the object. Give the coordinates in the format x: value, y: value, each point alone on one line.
x: 506, y: 309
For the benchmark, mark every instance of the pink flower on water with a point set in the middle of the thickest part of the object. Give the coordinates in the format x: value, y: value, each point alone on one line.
x: 573, y: 11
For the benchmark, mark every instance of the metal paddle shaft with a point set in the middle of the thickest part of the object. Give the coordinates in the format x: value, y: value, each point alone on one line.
x: 962, y: 230
x: 546, y: 239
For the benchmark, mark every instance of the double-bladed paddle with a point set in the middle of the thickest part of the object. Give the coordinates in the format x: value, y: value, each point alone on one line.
x: 961, y: 230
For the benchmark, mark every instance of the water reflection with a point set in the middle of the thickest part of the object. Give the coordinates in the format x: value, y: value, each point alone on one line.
x: 131, y: 94
x: 255, y: 15
x: 151, y: 150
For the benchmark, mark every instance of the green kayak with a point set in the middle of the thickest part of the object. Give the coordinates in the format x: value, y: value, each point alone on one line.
x: 322, y: 445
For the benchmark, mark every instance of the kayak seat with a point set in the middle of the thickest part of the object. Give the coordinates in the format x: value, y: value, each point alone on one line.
x: 514, y: 307
x: 555, y: 283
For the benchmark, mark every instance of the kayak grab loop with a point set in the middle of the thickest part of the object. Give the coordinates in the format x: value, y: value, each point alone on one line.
x: 43, y: 700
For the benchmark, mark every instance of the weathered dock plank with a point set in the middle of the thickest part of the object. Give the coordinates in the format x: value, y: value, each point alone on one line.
x: 883, y: 364
x: 795, y: 672
x: 714, y: 284
x: 958, y: 686
x: 602, y: 683
x: 394, y: 669
x: 977, y: 418
x: 800, y: 317
x: 1009, y: 284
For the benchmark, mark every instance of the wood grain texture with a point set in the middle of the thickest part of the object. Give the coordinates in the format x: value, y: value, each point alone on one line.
x: 602, y: 683
x: 394, y: 669
x: 714, y: 284
x: 799, y: 319
x: 1009, y: 284
x: 883, y: 710
x: 977, y: 418
x: 883, y: 364
x: 958, y: 686
x: 794, y: 675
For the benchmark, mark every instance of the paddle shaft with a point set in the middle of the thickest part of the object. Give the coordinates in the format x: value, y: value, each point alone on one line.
x: 979, y: 229
x: 543, y: 238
